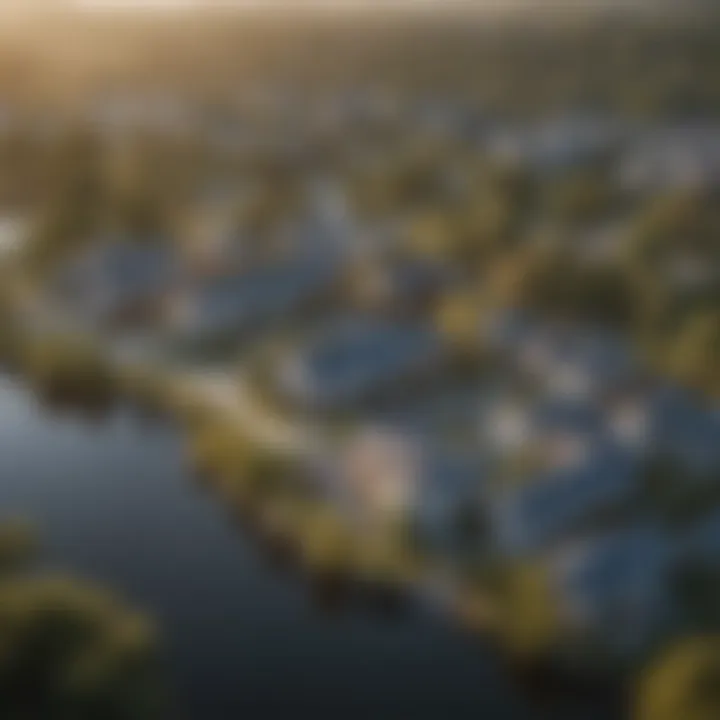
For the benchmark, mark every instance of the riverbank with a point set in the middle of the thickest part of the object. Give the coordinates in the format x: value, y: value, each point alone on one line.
x: 273, y: 474
x: 117, y: 503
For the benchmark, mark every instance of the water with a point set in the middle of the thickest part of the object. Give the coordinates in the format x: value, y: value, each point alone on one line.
x: 115, y: 503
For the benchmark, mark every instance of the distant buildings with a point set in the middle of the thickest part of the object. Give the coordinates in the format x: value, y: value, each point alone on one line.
x: 672, y: 159
x: 555, y: 146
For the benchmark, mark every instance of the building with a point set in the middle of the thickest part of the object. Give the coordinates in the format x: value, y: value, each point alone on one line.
x: 560, y: 427
x: 551, y: 506
x: 675, y: 158
x: 613, y: 590
x: 505, y: 331
x: 572, y: 361
x: 700, y: 545
x: 399, y: 285
x: 242, y: 301
x: 391, y: 476
x: 557, y: 145
x: 118, y: 281
x: 664, y: 420
x: 355, y: 358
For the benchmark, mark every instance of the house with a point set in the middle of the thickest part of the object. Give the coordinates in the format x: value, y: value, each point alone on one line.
x: 447, y: 408
x: 243, y: 300
x: 589, y: 364
x: 572, y: 361
x: 506, y: 425
x: 400, y: 285
x: 567, y: 431
x: 691, y: 273
x: 562, y: 502
x: 357, y: 357
x: 210, y: 235
x: 602, y: 245
x: 117, y: 281
x: 613, y: 589
x: 675, y: 158
x: 392, y: 476
x: 555, y: 432
x: 665, y: 420
x: 700, y: 545
x: 556, y: 145
x: 505, y: 331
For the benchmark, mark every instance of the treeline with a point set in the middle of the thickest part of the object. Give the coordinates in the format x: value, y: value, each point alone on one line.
x: 667, y: 63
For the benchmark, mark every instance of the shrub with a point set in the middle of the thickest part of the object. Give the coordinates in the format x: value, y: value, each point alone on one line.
x: 528, y: 616
x: 68, y: 370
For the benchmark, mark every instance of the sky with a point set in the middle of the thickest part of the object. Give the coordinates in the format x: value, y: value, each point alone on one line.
x: 134, y: 4
x: 480, y: 6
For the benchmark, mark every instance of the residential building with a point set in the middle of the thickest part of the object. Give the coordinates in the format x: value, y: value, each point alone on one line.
x: 117, y: 281
x: 613, y: 589
x: 440, y: 493
x: 553, y: 505
x: 355, y: 358
x: 243, y: 300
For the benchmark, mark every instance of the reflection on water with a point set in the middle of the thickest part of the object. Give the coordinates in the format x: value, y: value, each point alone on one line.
x: 115, y: 502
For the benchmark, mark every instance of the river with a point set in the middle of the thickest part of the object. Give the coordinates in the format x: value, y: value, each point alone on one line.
x: 242, y: 638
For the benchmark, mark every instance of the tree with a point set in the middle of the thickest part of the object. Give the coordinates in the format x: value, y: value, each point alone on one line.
x: 696, y: 353
x: 581, y: 198
x: 458, y: 321
x: 683, y: 683
x: 69, y: 650
x: 529, y: 621
x: 70, y: 370
x: 685, y: 221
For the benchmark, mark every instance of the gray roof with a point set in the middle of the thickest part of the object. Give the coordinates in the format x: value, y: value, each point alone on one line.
x: 240, y: 300
x: 115, y: 272
x: 684, y: 429
x: 557, y: 504
x: 616, y: 586
x: 355, y: 354
x: 702, y: 542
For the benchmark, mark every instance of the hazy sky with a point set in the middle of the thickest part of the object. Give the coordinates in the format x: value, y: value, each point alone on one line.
x: 484, y: 4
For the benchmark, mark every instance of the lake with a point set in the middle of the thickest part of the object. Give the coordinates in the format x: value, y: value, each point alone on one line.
x: 114, y: 501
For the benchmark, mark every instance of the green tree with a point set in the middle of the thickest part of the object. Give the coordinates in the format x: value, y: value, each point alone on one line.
x: 528, y: 615
x: 69, y: 650
x: 683, y: 683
